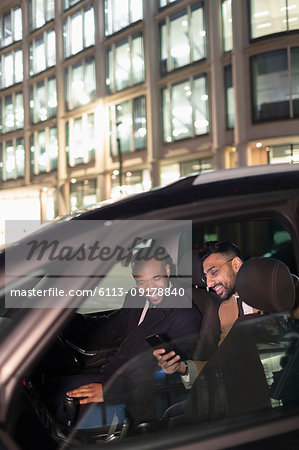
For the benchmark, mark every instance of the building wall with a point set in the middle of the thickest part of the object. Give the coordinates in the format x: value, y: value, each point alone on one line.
x: 193, y: 85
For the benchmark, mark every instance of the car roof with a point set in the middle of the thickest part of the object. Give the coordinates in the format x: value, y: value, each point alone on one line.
x: 203, y: 186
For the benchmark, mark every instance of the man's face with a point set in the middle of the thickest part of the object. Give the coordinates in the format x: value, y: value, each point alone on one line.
x: 220, y: 272
x: 151, y: 279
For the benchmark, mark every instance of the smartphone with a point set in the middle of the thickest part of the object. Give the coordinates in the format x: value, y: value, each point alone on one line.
x: 161, y: 341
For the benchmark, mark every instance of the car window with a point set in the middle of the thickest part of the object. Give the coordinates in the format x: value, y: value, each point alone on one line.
x: 255, y: 237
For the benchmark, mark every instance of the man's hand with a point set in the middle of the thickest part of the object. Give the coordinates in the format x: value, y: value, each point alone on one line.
x: 169, y: 362
x: 93, y: 393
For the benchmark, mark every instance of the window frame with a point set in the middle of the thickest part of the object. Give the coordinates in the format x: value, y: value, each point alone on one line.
x: 3, y: 149
x: 168, y: 88
x: 89, y: 156
x: 67, y: 28
x: 34, y: 144
x: 12, y: 13
x: 254, y: 105
x: 112, y: 48
x: 188, y: 9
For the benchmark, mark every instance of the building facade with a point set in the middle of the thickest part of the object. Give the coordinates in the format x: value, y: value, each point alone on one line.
x: 102, y: 98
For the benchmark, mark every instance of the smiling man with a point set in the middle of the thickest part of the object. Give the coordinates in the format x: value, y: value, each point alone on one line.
x: 221, y: 262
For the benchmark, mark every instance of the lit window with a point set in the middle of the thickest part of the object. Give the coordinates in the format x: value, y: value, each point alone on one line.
x: 133, y: 182
x: 13, y: 159
x: 83, y: 193
x: 80, y: 83
x: 121, y: 13
x: 69, y: 3
x: 80, y: 140
x: 275, y: 85
x: 43, y: 100
x: 13, y: 113
x: 229, y: 97
x: 41, y: 12
x: 185, y: 109
x: 183, y: 38
x: 12, y: 68
x: 43, y: 52
x: 273, y: 16
x: 44, y: 150
x: 163, y: 3
x: 227, y: 25
x: 125, y: 64
x: 172, y: 172
x: 279, y: 154
x: 128, y: 129
x: 11, y: 27
x: 79, y: 31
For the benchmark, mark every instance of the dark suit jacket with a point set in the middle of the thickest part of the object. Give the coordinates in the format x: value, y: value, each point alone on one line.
x: 173, y: 317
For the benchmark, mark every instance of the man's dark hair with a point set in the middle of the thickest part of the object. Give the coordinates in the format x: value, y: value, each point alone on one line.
x: 228, y: 249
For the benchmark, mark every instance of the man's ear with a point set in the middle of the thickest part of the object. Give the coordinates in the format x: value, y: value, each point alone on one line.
x: 167, y: 270
x: 237, y: 263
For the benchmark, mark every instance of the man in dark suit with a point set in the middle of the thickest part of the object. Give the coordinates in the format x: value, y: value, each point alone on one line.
x: 156, y: 309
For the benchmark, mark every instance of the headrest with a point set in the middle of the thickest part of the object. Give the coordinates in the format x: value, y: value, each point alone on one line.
x: 266, y: 284
x: 190, y: 264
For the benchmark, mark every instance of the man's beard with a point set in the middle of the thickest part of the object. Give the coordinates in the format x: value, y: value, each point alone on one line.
x: 226, y: 291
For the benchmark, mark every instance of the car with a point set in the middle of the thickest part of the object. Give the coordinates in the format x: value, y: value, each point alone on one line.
x: 40, y: 338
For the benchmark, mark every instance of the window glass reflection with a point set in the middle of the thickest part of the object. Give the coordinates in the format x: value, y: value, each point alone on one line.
x: 12, y: 68
x: 41, y: 12
x: 179, y: 41
x: 11, y: 27
x: 229, y: 96
x: 273, y: 16
x: 70, y: 3
x: 80, y: 83
x: 201, y: 106
x: 185, y: 109
x: 181, y: 110
x: 10, y: 163
x: 18, y: 26
x: 18, y: 73
x: 8, y: 70
x: 227, y: 28
x: 82, y: 194
x: 9, y: 114
x: 271, y: 86
x: 183, y: 38
x: 19, y: 110
x: 89, y: 29
x: 125, y: 64
x: 7, y: 29
x: 81, y: 140
x: 40, y: 152
x: 44, y: 150
x: 20, y: 157
x: 121, y: 13
x: 128, y: 129
x: 43, y: 100
x: 42, y: 52
x: 139, y: 123
x: 76, y: 33
x: 284, y: 154
x: 124, y: 126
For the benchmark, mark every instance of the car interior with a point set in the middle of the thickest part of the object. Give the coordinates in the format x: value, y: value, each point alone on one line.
x: 232, y: 386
